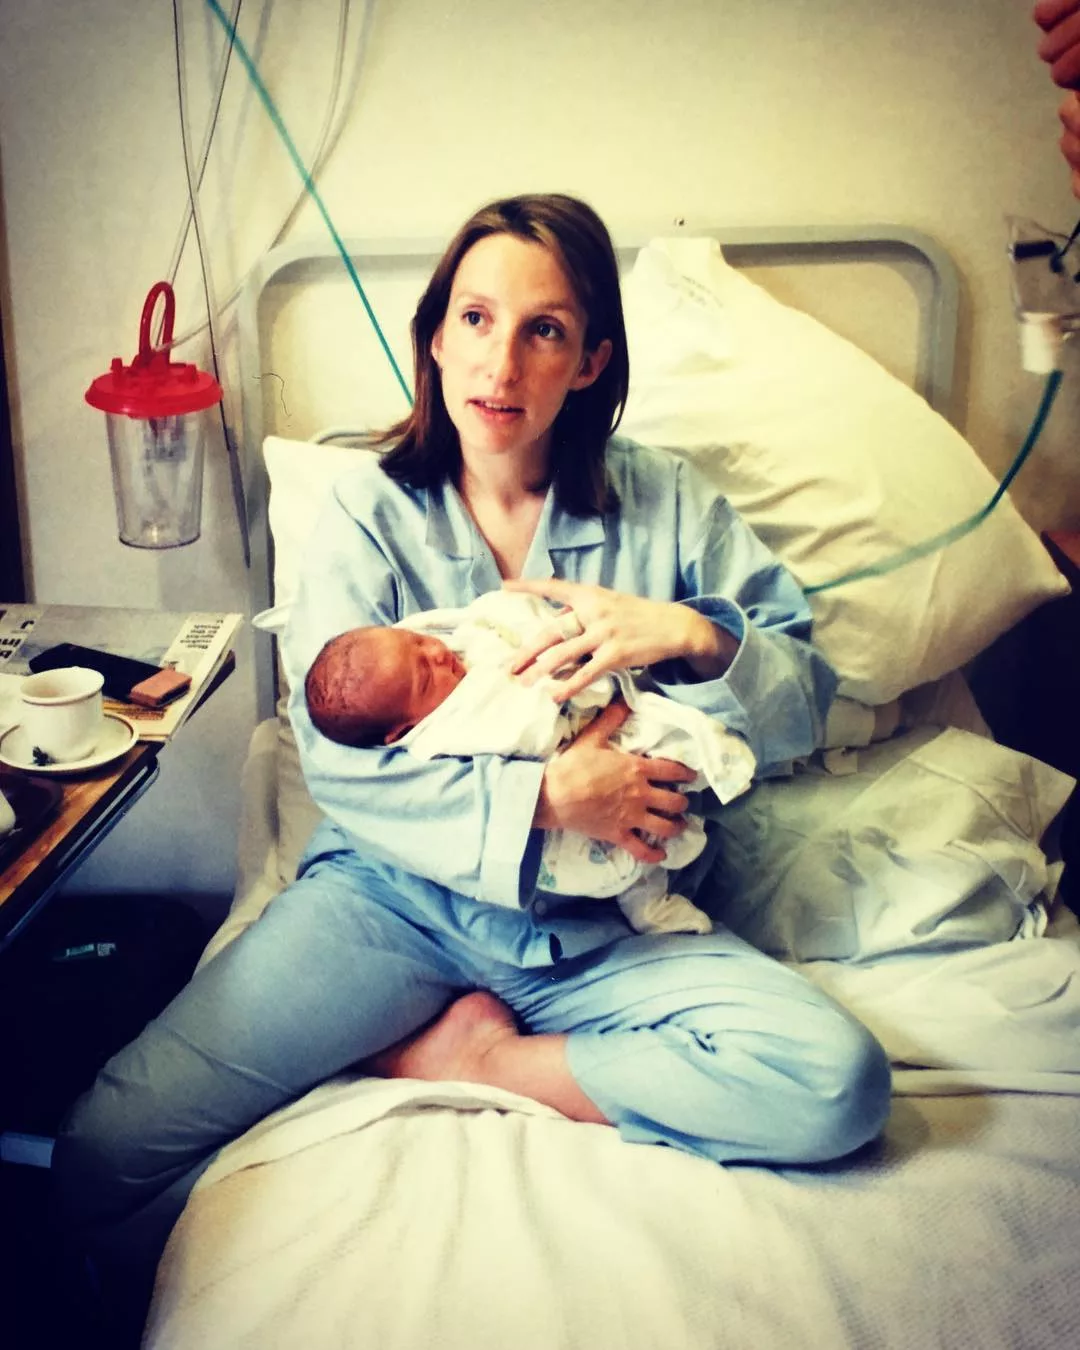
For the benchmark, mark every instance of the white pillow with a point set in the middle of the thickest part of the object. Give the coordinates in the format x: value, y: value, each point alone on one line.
x: 834, y: 462
x: 301, y: 475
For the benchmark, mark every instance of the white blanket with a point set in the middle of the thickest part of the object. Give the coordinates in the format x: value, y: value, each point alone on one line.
x: 401, y: 1217
x: 490, y: 712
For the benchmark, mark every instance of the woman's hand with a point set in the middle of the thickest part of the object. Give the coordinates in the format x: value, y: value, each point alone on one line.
x: 608, y: 631
x: 611, y: 795
x: 1060, y: 47
x: 1069, y: 113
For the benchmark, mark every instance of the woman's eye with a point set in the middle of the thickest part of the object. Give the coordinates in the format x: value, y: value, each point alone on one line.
x: 545, y: 329
x: 472, y: 317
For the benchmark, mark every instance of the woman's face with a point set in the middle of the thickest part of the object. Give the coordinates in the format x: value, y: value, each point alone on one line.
x: 510, y: 349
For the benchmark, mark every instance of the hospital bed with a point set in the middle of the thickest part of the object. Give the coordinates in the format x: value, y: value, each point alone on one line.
x: 908, y: 868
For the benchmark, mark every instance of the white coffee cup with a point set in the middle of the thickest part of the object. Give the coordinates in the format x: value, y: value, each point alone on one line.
x: 62, y: 712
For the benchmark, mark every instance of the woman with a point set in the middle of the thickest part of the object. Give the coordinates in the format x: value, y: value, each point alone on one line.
x: 387, y: 950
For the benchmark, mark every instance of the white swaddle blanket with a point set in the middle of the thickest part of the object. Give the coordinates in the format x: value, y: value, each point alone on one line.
x: 491, y: 712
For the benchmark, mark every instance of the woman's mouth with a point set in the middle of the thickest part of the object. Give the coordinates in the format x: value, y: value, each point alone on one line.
x: 493, y: 410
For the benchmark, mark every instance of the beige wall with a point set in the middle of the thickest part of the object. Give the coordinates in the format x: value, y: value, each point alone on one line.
x: 936, y: 116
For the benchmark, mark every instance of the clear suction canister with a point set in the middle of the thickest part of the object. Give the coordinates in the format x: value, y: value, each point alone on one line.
x: 155, y: 411
x: 157, y: 472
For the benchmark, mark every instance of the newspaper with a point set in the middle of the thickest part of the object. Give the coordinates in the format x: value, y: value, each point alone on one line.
x: 197, y: 644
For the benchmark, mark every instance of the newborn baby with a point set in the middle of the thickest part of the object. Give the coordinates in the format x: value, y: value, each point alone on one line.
x: 439, y: 684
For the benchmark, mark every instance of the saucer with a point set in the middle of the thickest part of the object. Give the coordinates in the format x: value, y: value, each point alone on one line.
x: 117, y: 737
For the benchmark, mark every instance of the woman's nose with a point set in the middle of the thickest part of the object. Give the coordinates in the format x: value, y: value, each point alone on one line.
x: 504, y: 358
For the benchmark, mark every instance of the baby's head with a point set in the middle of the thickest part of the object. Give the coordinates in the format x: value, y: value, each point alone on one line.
x: 370, y: 686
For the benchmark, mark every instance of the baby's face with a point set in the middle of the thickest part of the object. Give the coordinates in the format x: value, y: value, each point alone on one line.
x: 424, y: 671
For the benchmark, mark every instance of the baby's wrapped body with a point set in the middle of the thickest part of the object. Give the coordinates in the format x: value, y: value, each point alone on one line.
x: 491, y: 712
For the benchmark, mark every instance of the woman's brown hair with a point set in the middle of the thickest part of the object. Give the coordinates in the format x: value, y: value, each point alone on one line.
x: 425, y: 448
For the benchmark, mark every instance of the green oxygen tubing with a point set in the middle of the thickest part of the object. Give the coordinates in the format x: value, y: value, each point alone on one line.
x: 934, y: 544
x: 309, y: 183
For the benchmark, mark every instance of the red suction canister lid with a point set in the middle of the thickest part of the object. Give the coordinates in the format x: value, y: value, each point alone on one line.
x: 154, y: 386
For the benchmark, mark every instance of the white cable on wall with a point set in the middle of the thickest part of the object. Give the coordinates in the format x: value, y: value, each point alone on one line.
x: 333, y: 124
x: 236, y: 475
x: 204, y: 153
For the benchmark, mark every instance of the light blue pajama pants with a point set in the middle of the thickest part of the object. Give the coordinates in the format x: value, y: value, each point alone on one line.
x: 697, y: 1042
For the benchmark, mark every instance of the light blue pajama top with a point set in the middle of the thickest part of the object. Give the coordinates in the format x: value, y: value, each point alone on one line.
x: 382, y: 551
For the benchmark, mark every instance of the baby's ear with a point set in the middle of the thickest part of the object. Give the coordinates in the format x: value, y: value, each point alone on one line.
x: 396, y: 732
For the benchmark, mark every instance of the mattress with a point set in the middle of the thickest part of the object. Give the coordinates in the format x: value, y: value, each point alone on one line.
x: 403, y: 1214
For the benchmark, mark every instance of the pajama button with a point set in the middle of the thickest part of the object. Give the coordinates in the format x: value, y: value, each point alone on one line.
x: 541, y: 907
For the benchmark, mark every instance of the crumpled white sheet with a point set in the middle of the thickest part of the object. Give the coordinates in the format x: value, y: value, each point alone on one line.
x: 1001, y: 1016
x: 915, y: 892
x: 932, y: 845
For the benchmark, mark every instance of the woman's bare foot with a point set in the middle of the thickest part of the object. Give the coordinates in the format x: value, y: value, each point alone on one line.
x: 454, y: 1046
x: 477, y: 1041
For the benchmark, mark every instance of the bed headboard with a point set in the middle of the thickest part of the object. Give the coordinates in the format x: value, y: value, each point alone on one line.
x: 311, y: 361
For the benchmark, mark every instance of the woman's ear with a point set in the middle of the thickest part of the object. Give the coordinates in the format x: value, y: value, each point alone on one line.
x: 436, y: 346
x: 592, y: 365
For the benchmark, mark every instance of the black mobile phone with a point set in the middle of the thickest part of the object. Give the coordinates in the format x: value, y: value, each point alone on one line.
x: 121, y: 673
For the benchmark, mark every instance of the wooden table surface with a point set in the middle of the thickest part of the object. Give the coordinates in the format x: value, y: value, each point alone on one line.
x: 86, y: 805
